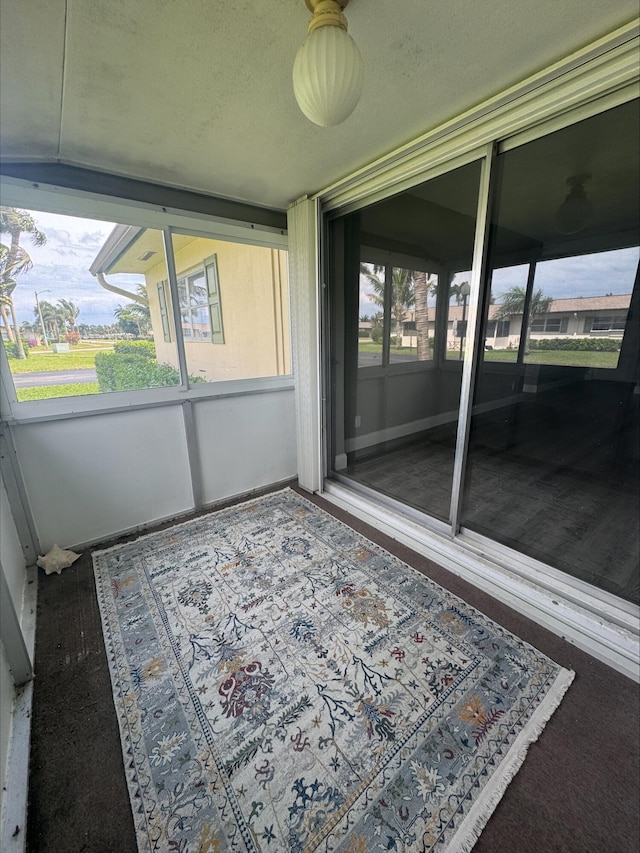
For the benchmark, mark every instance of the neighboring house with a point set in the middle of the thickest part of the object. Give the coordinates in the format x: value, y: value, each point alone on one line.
x: 585, y: 317
x: 233, y: 300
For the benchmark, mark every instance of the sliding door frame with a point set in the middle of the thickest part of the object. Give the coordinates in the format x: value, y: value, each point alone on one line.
x: 474, y: 323
x: 593, y: 80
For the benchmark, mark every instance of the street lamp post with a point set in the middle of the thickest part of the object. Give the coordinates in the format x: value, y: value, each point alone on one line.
x: 465, y: 290
x: 44, y: 331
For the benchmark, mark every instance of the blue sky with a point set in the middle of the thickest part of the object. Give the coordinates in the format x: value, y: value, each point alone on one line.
x: 585, y: 275
x: 61, y: 267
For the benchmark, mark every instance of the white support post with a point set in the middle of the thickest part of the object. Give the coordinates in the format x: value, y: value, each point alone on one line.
x: 304, y: 287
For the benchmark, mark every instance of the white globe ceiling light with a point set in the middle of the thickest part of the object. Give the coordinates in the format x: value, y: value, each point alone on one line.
x: 327, y: 71
x: 576, y: 211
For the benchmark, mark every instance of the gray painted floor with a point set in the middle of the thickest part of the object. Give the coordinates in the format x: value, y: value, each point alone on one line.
x: 568, y: 519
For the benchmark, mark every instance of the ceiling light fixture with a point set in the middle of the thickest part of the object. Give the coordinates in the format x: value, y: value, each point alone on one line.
x: 576, y: 210
x: 327, y: 71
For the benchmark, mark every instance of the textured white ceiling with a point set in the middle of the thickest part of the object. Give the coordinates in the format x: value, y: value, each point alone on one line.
x: 197, y: 93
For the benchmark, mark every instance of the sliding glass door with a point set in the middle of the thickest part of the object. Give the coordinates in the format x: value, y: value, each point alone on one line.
x: 538, y: 450
x: 553, y: 451
x: 399, y: 285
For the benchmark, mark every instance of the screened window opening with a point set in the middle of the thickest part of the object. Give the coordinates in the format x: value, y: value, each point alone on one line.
x: 86, y: 307
x: 78, y: 317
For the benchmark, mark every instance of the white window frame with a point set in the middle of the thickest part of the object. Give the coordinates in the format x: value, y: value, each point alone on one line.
x: 16, y: 192
x: 615, y: 323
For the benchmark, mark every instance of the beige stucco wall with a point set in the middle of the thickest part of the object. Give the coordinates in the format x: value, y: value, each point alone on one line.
x: 255, y: 311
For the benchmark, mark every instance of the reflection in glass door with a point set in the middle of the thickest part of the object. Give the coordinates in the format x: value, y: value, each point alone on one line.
x: 548, y: 451
x: 400, y: 288
x: 554, y: 441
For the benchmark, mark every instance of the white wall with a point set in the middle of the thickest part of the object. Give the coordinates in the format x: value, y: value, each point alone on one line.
x: 91, y: 478
x: 12, y: 565
x: 245, y: 443
x: 7, y: 696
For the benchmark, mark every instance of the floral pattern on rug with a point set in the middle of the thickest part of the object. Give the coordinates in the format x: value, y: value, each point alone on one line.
x: 284, y: 684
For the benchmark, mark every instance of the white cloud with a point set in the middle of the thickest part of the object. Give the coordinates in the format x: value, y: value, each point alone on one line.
x: 61, y: 269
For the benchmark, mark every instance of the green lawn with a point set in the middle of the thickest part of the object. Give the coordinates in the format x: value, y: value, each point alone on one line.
x: 569, y: 358
x: 39, y: 360
x: 49, y: 392
x: 369, y: 346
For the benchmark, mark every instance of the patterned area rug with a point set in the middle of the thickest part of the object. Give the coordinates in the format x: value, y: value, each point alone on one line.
x: 283, y: 684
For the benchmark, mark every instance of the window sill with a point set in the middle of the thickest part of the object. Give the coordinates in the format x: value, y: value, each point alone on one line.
x: 98, y: 404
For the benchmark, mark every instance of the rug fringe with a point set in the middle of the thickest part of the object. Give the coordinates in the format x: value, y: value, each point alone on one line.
x: 469, y: 830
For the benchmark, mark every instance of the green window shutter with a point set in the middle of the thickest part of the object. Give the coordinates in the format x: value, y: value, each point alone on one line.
x: 215, y: 304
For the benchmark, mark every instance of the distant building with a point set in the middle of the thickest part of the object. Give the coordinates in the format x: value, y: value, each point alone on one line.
x: 586, y: 317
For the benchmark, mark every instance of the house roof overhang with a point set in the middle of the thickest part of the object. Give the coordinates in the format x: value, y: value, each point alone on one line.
x: 117, y: 253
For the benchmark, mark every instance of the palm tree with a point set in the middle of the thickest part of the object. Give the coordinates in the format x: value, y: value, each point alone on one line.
x: 403, y: 294
x: 135, y: 314
x: 6, y: 288
x: 423, y: 288
x: 513, y: 302
x: 455, y: 290
x: 14, y: 260
x: 8, y: 271
x: 53, y: 319
x: 142, y: 310
x: 70, y: 312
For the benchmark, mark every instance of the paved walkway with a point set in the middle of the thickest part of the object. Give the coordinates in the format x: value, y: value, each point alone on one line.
x: 55, y: 377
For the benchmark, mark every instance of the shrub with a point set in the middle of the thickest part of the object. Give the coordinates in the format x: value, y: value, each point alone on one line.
x: 72, y: 338
x: 580, y: 344
x: 126, y: 371
x: 141, y: 348
x: 376, y: 334
x: 12, y: 349
x: 132, y: 365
